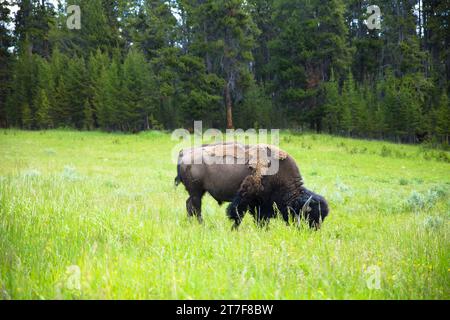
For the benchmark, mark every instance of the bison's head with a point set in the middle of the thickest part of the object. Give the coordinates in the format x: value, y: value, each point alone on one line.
x: 312, y: 207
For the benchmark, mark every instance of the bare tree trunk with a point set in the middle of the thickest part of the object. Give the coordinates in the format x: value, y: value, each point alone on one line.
x: 207, y: 57
x: 229, y: 105
x: 146, y: 123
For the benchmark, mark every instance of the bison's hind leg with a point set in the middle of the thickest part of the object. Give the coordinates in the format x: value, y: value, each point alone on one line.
x: 194, y: 206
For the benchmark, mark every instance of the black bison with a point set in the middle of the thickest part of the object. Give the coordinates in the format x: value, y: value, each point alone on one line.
x: 260, y: 179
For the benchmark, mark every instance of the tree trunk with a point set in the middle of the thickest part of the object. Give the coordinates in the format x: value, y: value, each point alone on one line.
x: 229, y: 105
x: 146, y: 123
x: 207, y: 56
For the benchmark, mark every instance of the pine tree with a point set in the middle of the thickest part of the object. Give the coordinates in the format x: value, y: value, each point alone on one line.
x: 44, y: 93
x: 43, y: 119
x: 390, y: 105
x: 345, y: 118
x: 88, y: 119
x: 370, y: 107
x: 76, y: 85
x: 256, y: 111
x: 97, y: 63
x: 32, y: 26
x: 442, y: 118
x: 410, y: 108
x: 401, y: 50
x: 262, y: 12
x: 379, y: 121
x: 139, y: 91
x: 108, y: 99
x: 200, y: 96
x: 153, y: 28
x: 59, y: 111
x: 184, y: 91
x: 436, y: 40
x: 367, y: 44
x: 99, y: 29
x: 6, y: 61
x: 360, y: 113
x: 332, y: 105
x: 23, y: 87
x: 225, y: 36
x: 27, y: 117
x: 311, y: 42
x: 351, y: 116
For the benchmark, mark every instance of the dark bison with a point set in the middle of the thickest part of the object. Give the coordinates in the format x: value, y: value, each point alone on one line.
x: 247, y: 176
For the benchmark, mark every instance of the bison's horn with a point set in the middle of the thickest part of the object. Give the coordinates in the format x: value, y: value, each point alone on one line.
x: 306, y: 205
x: 290, y: 209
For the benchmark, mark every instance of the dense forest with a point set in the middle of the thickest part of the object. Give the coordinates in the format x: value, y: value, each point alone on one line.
x: 303, y: 64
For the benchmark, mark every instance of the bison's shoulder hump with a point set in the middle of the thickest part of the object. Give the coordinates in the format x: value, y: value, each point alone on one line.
x: 223, y: 150
x: 274, y: 152
x: 262, y: 156
x: 240, y: 151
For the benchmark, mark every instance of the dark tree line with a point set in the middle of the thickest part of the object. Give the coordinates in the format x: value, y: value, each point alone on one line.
x: 154, y: 64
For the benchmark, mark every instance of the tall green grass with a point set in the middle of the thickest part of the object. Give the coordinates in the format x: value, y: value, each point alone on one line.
x: 104, y: 205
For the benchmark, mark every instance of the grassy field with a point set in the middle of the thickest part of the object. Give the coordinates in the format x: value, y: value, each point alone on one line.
x: 96, y: 216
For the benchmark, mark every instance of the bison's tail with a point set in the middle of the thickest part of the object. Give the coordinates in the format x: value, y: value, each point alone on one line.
x: 178, y: 177
x: 177, y: 181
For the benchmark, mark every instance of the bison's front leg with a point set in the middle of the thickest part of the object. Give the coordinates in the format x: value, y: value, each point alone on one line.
x: 262, y: 214
x: 194, y: 206
x: 246, y: 199
x: 290, y: 215
x: 236, y: 211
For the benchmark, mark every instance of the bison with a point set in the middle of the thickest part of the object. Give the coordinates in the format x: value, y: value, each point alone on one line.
x: 241, y: 174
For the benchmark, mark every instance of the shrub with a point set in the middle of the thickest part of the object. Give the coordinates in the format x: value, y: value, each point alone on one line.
x: 422, y: 201
x: 443, y: 156
x: 70, y: 173
x: 341, y: 186
x: 433, y: 222
x: 31, y: 173
x: 385, y: 152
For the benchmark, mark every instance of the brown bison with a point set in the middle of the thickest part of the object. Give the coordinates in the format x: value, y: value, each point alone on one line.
x: 260, y: 179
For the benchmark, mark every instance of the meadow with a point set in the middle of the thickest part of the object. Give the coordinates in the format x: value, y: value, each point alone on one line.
x: 91, y: 215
